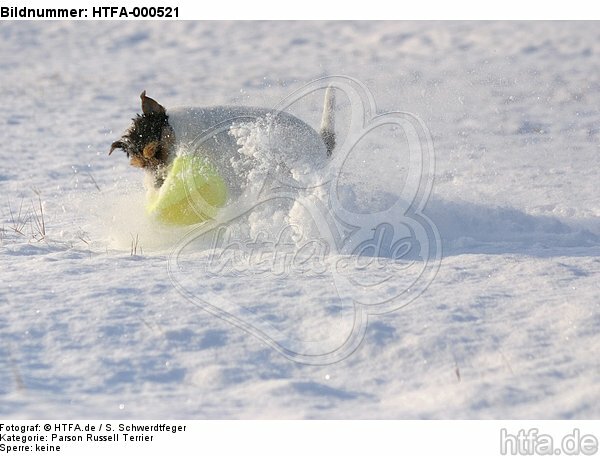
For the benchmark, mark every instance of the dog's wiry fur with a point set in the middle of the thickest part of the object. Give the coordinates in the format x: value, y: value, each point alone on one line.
x: 148, y: 140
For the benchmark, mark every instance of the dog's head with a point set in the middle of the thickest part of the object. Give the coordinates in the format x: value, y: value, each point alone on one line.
x: 148, y: 141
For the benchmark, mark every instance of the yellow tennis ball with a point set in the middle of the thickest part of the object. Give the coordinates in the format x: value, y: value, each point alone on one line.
x: 192, y: 192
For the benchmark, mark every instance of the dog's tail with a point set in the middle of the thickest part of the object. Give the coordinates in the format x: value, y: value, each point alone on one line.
x: 328, y: 121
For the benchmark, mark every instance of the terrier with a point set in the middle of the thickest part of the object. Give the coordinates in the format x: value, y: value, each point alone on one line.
x: 152, y: 140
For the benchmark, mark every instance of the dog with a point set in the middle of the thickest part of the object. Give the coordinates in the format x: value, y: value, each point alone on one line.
x: 153, y: 138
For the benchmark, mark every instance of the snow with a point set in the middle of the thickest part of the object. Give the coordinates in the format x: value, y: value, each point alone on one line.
x: 509, y: 327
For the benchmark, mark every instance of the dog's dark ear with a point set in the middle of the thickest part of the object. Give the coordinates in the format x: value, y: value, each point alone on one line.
x: 118, y: 145
x: 150, y: 106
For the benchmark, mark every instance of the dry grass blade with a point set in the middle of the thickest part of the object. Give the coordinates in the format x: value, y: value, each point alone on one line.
x: 84, y: 240
x: 135, y: 244
x: 94, y: 181
x: 18, y: 221
x: 38, y: 222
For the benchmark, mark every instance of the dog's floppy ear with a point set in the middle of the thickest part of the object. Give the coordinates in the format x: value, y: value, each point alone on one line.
x: 118, y: 145
x: 150, y: 106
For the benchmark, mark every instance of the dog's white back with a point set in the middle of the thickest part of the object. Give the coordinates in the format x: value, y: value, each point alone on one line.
x: 218, y: 133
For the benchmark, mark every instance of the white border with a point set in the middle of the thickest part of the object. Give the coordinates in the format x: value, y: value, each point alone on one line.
x: 317, y: 438
x: 370, y: 10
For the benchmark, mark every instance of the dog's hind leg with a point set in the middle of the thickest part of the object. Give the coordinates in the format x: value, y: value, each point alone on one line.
x: 328, y: 120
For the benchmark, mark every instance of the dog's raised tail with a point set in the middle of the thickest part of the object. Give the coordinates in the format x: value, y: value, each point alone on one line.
x: 328, y: 120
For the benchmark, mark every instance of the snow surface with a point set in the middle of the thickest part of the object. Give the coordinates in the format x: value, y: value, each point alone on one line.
x: 509, y: 327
